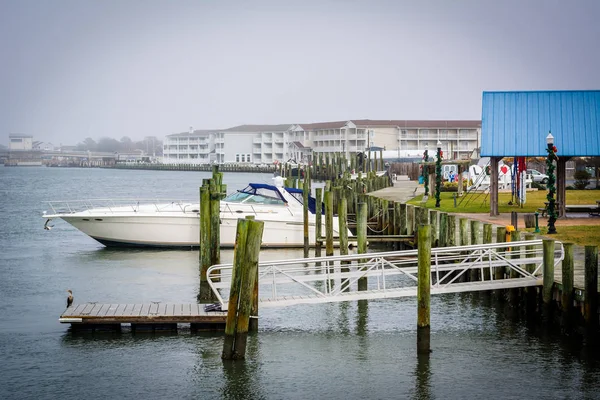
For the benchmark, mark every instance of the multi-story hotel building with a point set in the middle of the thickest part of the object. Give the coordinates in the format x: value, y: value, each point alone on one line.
x: 266, y: 144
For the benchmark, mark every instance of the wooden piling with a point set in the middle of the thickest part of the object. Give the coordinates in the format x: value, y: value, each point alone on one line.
x: 451, y: 241
x: 410, y: 219
x: 433, y: 222
x: 361, y: 233
x: 215, y: 223
x: 424, y: 290
x: 245, y: 264
x: 343, y: 236
x: 475, y: 239
x: 328, y: 223
x: 532, y: 291
x: 590, y: 303
x: 487, y: 238
x: 305, y: 191
x: 567, y: 286
x: 205, y: 293
x: 250, y: 274
x: 318, y: 220
x: 402, y: 219
x: 443, y: 239
x: 548, y: 278
x: 500, y: 238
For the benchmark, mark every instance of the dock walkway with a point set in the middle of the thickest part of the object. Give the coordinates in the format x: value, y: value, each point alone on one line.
x: 152, y: 316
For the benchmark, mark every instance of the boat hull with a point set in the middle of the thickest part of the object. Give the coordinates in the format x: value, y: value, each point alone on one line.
x: 182, y: 231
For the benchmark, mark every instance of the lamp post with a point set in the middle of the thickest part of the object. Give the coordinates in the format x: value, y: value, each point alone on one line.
x: 425, y: 173
x: 551, y: 149
x: 438, y: 173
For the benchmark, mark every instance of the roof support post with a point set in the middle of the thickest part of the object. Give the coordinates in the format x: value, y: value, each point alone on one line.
x: 494, y: 186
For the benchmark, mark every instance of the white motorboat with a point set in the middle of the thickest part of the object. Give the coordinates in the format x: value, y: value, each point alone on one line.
x: 177, y: 223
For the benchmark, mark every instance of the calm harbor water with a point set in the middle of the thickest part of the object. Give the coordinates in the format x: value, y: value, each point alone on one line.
x: 362, y: 350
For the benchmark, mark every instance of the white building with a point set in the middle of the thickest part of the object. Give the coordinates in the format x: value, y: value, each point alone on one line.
x: 194, y: 147
x: 18, y: 142
x: 266, y: 144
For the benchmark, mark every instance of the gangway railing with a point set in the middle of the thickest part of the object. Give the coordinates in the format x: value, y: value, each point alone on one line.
x: 391, y: 274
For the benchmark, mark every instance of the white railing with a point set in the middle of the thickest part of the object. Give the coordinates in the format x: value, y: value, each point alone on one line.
x: 391, y: 274
x: 121, y: 205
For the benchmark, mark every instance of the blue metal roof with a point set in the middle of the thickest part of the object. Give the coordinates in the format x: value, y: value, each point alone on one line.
x: 517, y: 123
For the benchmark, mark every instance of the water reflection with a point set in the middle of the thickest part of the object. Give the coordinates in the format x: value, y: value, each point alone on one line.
x: 422, y: 378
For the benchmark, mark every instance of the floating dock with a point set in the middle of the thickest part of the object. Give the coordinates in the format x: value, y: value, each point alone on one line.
x: 153, y: 316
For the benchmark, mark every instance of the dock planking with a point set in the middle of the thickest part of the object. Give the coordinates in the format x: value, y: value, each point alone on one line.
x: 90, y: 314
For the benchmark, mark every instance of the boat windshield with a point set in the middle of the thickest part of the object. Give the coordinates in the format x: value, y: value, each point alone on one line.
x: 256, y: 195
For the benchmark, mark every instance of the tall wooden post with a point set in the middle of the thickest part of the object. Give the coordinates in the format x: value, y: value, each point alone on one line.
x: 475, y: 239
x: 245, y: 261
x: 205, y: 253
x: 548, y: 279
x: 318, y: 220
x: 590, y: 303
x: 493, y: 186
x: 433, y: 222
x: 402, y: 219
x: 424, y: 290
x: 215, y: 223
x: 328, y: 223
x: 343, y: 229
x: 361, y: 234
x: 305, y: 190
x: 532, y: 291
x: 443, y: 239
x: 410, y: 219
x: 500, y: 238
x: 451, y: 230
x: 566, y: 301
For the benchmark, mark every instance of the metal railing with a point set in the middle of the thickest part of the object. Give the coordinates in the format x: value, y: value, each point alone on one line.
x: 391, y: 274
x: 121, y: 205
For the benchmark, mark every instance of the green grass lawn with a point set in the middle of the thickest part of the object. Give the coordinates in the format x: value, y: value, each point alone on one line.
x: 581, y: 235
x: 480, y: 202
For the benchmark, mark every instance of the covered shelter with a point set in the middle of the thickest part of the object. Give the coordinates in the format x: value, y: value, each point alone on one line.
x: 516, y: 124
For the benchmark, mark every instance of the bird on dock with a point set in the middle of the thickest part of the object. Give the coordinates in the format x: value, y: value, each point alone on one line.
x: 69, y: 298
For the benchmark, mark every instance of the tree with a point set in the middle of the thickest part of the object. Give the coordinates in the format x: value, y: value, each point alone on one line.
x: 582, y: 179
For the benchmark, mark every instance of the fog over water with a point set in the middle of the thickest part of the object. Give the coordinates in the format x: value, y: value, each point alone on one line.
x: 78, y: 68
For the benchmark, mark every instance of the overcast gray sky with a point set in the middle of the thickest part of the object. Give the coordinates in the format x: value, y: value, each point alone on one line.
x: 72, y: 69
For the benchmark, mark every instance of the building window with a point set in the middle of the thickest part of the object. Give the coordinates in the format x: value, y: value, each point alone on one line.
x: 237, y: 158
x: 248, y: 157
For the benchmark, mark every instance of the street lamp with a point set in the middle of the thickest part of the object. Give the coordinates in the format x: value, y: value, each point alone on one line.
x: 438, y: 173
x: 425, y: 172
x: 551, y: 149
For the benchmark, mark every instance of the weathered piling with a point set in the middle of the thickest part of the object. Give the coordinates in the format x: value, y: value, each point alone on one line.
x: 328, y: 223
x: 245, y: 265
x: 451, y: 241
x: 433, y: 222
x: 424, y: 290
x: 410, y: 219
x: 548, y: 278
x: 531, y: 292
x: 361, y: 234
x: 515, y: 253
x: 305, y: 191
x: 318, y: 220
x: 500, y: 238
x: 205, y: 293
x: 475, y: 239
x: 215, y: 222
x: 486, y: 239
x: 590, y: 303
x: 343, y: 236
x: 567, y: 286
x: 443, y: 239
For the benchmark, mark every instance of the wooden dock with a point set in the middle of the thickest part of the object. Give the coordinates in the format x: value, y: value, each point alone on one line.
x: 143, y: 317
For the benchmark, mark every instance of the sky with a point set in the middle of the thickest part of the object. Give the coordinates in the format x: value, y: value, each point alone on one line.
x: 72, y: 69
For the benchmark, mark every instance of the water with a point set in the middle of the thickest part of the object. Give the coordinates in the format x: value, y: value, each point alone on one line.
x: 339, y: 350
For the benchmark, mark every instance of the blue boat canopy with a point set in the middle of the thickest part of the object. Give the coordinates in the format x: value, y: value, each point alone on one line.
x: 517, y: 123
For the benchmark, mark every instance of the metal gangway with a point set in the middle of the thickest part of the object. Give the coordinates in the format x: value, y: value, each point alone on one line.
x: 391, y: 274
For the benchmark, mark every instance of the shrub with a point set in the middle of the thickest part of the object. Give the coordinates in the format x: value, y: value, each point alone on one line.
x: 582, y: 179
x: 452, y: 186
